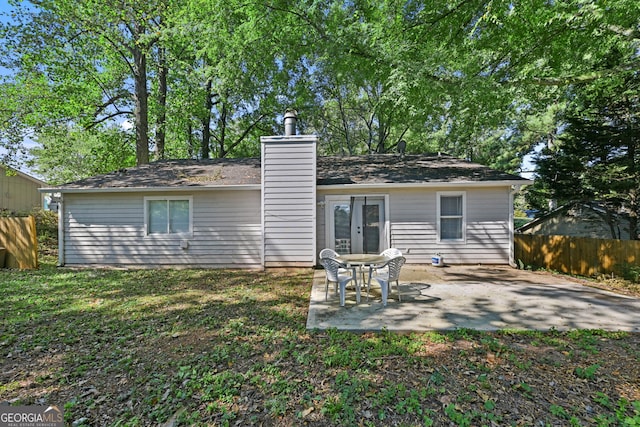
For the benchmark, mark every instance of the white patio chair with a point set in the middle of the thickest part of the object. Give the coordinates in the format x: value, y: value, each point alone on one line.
x: 384, y: 275
x: 328, y: 253
x: 332, y: 268
x: 389, y: 253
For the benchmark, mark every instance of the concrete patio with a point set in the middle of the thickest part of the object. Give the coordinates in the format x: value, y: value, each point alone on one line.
x: 476, y: 297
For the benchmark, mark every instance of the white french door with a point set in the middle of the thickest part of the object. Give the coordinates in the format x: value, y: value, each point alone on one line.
x: 356, y: 224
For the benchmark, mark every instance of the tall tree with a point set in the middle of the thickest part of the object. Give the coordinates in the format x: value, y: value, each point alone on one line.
x: 232, y: 71
x: 597, y: 156
x: 476, y: 78
x: 95, y: 47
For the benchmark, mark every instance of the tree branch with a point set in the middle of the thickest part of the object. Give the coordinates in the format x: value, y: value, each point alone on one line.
x: 108, y: 117
x: 246, y: 132
x: 581, y: 78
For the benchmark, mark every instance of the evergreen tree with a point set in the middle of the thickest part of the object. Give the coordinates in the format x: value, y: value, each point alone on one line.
x: 597, y: 157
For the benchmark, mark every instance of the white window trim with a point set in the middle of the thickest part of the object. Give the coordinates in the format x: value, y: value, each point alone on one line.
x: 439, y: 195
x: 167, y: 235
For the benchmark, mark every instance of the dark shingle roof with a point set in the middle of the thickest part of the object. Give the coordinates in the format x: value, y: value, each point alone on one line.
x: 331, y: 170
x: 177, y: 173
x: 408, y: 169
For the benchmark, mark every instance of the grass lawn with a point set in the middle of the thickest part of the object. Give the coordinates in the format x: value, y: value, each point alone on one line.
x: 227, y: 347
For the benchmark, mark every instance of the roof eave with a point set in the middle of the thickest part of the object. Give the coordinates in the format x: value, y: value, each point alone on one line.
x: 150, y: 189
x: 432, y: 184
x: 386, y: 185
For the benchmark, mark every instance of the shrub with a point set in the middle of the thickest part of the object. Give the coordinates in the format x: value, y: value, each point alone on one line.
x: 631, y: 272
x: 46, y: 230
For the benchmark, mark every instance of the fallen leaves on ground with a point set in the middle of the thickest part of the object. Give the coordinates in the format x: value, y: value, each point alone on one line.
x: 203, y: 347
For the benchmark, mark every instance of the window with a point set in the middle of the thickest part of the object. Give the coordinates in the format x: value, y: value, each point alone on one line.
x: 451, y: 221
x: 168, y: 215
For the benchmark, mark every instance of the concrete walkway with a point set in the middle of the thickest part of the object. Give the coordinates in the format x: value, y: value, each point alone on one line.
x: 476, y: 297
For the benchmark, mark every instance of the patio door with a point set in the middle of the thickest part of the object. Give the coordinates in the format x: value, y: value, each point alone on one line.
x: 357, y: 224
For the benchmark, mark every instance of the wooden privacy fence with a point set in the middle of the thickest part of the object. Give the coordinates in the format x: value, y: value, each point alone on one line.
x: 576, y: 255
x: 20, y: 242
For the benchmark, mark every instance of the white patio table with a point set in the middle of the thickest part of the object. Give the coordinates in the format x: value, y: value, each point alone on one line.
x: 360, y: 261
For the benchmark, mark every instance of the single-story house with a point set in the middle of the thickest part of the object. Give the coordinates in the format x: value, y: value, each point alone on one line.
x: 581, y: 219
x: 283, y: 208
x: 19, y: 192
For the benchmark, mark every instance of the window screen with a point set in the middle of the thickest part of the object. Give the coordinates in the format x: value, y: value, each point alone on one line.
x: 168, y: 216
x: 451, y: 217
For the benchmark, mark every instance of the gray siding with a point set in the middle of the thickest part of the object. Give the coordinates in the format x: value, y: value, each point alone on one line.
x: 108, y: 229
x: 413, y: 225
x: 288, y: 198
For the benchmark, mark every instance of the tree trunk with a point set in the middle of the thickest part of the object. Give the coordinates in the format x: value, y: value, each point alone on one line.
x: 222, y: 125
x: 206, y: 123
x: 191, y: 146
x: 141, y: 111
x: 634, y: 233
x: 383, y: 131
x: 161, y: 121
x: 634, y: 202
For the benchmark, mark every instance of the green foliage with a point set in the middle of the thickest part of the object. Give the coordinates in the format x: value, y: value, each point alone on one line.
x: 631, y: 272
x: 64, y: 154
x: 587, y: 373
x: 524, y: 388
x: 485, y: 80
x: 46, y: 229
x: 558, y: 411
x: 597, y: 155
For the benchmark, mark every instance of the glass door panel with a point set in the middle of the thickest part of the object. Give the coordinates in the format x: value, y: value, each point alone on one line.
x: 342, y: 227
x: 371, y: 228
x: 356, y: 224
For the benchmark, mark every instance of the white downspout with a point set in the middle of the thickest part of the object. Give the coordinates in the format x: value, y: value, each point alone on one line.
x: 512, y: 192
x: 263, y: 241
x: 61, y: 231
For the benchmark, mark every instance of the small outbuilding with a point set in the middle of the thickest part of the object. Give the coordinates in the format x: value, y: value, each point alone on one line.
x: 19, y: 192
x: 581, y: 219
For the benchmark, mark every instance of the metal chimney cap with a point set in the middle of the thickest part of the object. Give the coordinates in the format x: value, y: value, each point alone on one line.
x: 290, y: 119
